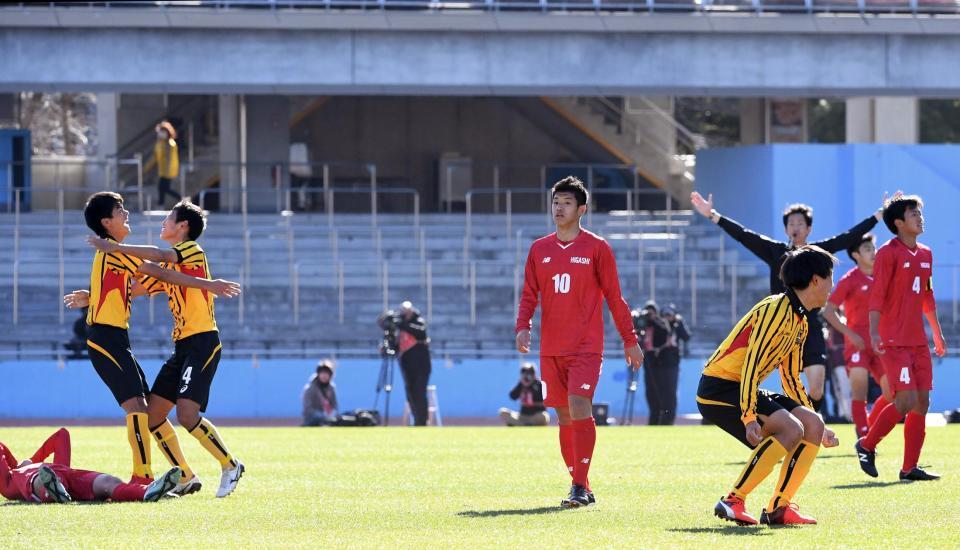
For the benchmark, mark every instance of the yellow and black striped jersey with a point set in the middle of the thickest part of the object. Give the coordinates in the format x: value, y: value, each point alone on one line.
x: 770, y: 335
x: 192, y: 308
x: 111, y: 280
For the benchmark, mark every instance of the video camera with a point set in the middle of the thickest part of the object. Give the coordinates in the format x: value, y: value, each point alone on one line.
x: 389, y: 321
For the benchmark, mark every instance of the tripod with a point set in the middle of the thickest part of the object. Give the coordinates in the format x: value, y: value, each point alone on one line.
x: 630, y: 398
x: 385, y: 381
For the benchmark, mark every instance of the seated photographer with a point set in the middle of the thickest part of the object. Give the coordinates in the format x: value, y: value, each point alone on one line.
x: 529, y: 391
x: 320, y: 397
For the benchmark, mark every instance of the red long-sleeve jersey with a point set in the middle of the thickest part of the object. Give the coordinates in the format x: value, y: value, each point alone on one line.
x: 571, y: 280
x: 902, y: 290
x: 17, y: 487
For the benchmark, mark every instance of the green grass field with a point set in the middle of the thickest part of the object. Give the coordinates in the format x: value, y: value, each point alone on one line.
x: 485, y: 487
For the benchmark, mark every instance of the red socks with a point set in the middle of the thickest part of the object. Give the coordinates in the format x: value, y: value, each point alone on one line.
x: 914, y: 431
x: 584, y: 439
x: 566, y: 446
x: 884, y: 424
x: 878, y: 407
x: 859, y: 410
x: 128, y: 492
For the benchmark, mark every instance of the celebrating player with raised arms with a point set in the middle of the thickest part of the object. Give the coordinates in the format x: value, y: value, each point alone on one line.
x: 571, y: 272
x: 776, y: 426
x: 902, y: 295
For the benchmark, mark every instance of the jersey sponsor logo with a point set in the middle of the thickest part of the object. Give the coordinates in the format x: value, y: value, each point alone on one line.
x: 798, y: 340
x: 546, y: 260
x: 579, y: 260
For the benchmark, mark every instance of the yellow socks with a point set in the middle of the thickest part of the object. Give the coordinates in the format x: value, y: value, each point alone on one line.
x: 169, y: 443
x: 793, y: 472
x: 206, y: 433
x: 139, y: 444
x: 761, y: 463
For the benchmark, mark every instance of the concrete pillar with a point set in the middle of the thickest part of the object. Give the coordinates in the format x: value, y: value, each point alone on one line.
x: 8, y: 114
x: 228, y: 116
x: 896, y: 120
x: 883, y: 120
x: 268, y: 145
x: 107, y: 107
x: 859, y: 119
x: 752, y: 121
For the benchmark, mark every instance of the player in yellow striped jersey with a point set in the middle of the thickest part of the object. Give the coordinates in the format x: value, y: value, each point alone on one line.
x: 775, y: 426
x: 113, y: 283
x: 184, y: 380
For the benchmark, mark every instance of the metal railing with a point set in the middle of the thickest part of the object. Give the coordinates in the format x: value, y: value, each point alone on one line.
x: 597, y: 6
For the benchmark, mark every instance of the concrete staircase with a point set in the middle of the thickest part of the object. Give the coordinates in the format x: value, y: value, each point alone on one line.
x: 645, y: 138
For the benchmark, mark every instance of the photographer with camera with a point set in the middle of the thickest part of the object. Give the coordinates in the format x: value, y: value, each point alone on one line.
x: 659, y: 375
x: 529, y: 391
x: 320, y: 397
x: 405, y: 334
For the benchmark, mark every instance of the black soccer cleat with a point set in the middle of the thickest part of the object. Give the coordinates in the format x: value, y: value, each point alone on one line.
x: 867, y: 459
x: 590, y: 497
x: 578, y: 497
x: 916, y: 474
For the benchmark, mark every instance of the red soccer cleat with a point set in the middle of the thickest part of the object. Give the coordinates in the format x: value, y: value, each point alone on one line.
x: 733, y: 508
x: 788, y: 514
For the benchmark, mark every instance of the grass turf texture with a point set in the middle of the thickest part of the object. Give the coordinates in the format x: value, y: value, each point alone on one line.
x: 486, y: 487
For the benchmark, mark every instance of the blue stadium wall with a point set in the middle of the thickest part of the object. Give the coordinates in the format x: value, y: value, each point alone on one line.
x: 271, y: 388
x: 844, y: 184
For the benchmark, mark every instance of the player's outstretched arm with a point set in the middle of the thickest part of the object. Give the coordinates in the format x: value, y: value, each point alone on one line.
x: 219, y: 287
x: 761, y: 246
x: 77, y: 299
x: 144, y: 252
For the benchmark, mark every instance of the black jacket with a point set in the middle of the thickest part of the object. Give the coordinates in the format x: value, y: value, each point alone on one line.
x: 772, y: 252
x: 531, y: 397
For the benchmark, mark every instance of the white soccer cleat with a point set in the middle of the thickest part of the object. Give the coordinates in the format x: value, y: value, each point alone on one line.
x: 55, y: 489
x: 229, y: 479
x: 163, y: 485
x: 187, y: 487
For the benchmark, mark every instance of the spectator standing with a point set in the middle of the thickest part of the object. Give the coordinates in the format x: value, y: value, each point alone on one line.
x: 654, y: 334
x: 167, y: 157
x: 414, y: 350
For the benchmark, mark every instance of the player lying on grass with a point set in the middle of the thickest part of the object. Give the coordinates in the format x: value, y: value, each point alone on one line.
x: 185, y: 379
x: 775, y: 426
x: 34, y: 480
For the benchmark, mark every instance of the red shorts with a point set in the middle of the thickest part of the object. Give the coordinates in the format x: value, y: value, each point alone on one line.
x: 566, y: 375
x: 865, y: 359
x: 79, y: 483
x: 908, y: 368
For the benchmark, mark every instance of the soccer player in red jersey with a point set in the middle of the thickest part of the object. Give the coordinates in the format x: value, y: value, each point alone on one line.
x: 34, y: 480
x: 853, y: 294
x: 901, y: 297
x: 571, y: 272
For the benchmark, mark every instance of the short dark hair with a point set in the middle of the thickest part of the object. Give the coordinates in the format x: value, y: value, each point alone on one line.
x: 801, y: 264
x: 855, y: 247
x: 327, y: 365
x: 798, y: 208
x: 193, y: 215
x: 100, y: 205
x: 571, y: 184
x: 895, y: 209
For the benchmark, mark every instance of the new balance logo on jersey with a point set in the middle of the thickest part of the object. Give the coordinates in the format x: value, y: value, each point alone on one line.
x: 906, y: 265
x: 585, y: 387
x: 924, y: 265
x: 865, y: 288
x: 580, y: 260
x: 546, y: 260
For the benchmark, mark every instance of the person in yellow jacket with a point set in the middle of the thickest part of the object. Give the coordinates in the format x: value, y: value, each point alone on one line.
x: 168, y: 161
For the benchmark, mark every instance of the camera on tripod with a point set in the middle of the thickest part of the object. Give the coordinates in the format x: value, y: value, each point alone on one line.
x: 389, y: 321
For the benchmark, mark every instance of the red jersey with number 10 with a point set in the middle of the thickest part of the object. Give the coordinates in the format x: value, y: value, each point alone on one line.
x: 853, y: 293
x: 902, y: 291
x: 571, y: 280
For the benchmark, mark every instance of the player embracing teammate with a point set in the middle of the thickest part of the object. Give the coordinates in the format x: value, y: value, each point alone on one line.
x: 571, y: 272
